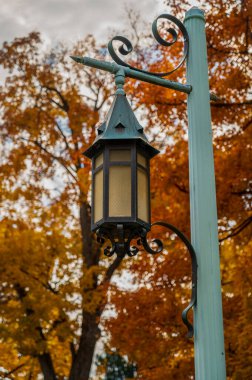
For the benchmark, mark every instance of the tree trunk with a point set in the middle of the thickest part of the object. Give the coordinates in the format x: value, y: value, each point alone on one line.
x: 89, y: 248
x: 83, y: 358
x: 46, y: 366
x: 90, y: 332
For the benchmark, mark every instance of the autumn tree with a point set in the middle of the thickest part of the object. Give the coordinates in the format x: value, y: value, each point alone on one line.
x: 54, y: 281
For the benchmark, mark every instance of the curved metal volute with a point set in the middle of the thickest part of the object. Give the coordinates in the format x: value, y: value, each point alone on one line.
x: 123, y: 247
x: 193, y: 256
x: 126, y: 47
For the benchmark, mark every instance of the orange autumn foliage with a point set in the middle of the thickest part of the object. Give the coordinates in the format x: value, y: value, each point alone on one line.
x: 52, y: 288
x: 54, y: 282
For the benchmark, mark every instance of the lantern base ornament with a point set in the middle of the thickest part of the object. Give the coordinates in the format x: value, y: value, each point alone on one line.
x: 121, y: 240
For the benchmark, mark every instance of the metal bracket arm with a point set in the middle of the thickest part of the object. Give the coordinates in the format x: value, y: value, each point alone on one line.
x: 123, y: 247
x: 131, y: 73
x: 193, y: 256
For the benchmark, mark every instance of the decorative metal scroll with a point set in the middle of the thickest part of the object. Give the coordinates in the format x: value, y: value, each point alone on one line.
x: 126, y: 47
x: 122, y: 246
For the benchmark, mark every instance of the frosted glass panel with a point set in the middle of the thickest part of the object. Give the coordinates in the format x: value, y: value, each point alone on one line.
x: 142, y: 194
x: 141, y: 160
x: 120, y: 155
x: 120, y: 191
x: 99, y: 160
x: 98, y: 195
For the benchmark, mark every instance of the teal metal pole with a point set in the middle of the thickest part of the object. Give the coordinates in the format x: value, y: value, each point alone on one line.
x: 208, y: 320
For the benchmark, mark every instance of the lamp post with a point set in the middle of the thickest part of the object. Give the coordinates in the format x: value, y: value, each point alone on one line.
x: 120, y: 172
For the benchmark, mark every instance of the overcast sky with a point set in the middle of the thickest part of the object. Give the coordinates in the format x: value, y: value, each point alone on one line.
x: 69, y: 20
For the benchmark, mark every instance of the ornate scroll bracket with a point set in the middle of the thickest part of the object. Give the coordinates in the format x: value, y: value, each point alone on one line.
x: 122, y: 246
x: 126, y: 47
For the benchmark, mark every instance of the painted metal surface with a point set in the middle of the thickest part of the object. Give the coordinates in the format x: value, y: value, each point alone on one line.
x: 111, y: 224
x: 127, y: 47
x: 208, y: 322
x: 123, y: 246
x: 120, y: 131
x: 193, y: 256
x: 131, y: 73
x: 120, y: 124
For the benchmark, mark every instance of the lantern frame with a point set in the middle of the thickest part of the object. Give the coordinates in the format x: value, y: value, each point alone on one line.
x: 129, y: 222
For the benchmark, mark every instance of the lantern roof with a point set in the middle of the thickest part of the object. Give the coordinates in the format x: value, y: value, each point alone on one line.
x: 120, y: 124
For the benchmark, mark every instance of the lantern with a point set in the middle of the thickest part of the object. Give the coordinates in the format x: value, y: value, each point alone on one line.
x: 120, y: 172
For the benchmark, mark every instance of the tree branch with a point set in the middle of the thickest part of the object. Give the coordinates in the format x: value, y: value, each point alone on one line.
x: 246, y: 125
x: 15, y: 369
x: 47, y: 367
x: 56, y: 323
x: 72, y: 350
x: 213, y: 104
x: 235, y: 231
x: 242, y: 192
x: 235, y: 104
x: 56, y: 103
x: 63, y: 135
x: 59, y: 159
x: 64, y: 106
x: 88, y: 97
x: 91, y: 80
x: 181, y: 188
x: 98, y: 107
x: 227, y: 52
x: 110, y: 271
x: 47, y: 286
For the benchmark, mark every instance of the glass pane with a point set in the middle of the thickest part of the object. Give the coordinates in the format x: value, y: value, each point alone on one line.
x: 141, y: 160
x: 99, y: 160
x: 142, y: 195
x: 98, y: 196
x: 120, y: 155
x: 120, y: 191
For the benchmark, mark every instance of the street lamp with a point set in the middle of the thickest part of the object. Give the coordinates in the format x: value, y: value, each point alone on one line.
x: 121, y: 210
x: 120, y: 172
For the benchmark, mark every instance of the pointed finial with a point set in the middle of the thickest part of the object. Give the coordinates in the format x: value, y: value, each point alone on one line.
x: 77, y: 59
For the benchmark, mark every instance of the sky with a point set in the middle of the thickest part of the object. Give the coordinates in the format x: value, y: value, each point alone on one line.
x: 70, y: 20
